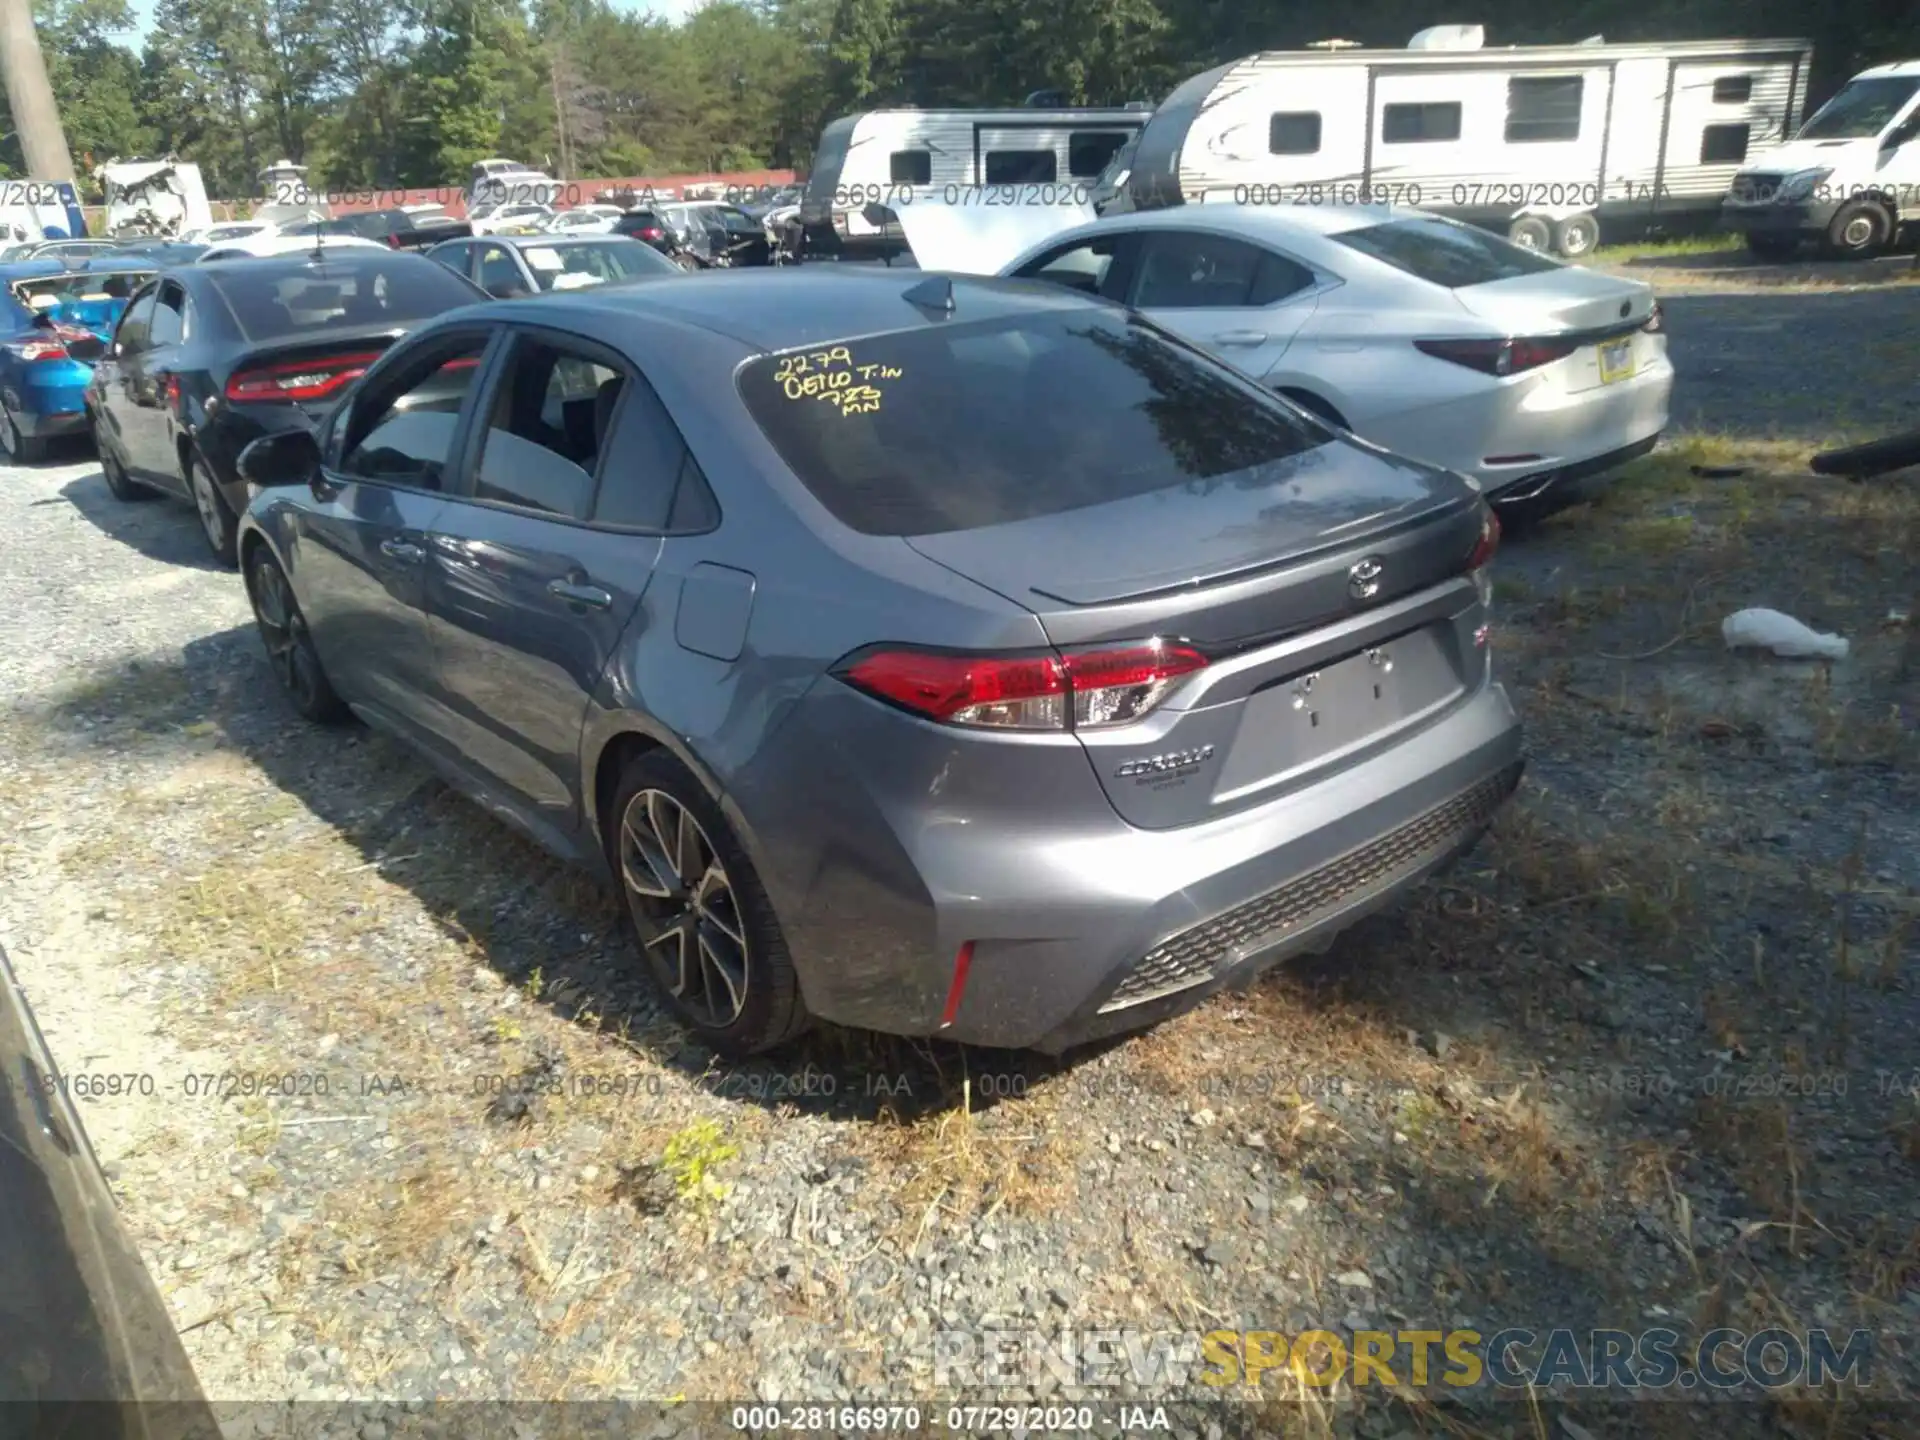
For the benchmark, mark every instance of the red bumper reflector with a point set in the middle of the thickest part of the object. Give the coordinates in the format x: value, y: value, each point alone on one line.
x: 961, y: 964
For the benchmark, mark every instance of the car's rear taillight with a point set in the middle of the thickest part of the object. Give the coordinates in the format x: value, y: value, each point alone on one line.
x: 1488, y: 544
x: 35, y: 350
x: 653, y: 232
x: 1656, y: 321
x: 1498, y: 357
x: 299, y: 379
x: 1068, y: 690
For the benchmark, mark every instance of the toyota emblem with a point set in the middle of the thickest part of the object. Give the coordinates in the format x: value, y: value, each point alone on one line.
x: 1363, y: 580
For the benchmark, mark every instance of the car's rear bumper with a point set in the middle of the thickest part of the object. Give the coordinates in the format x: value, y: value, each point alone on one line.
x: 1507, y: 435
x: 1549, y: 489
x: 54, y: 424
x: 1082, y: 925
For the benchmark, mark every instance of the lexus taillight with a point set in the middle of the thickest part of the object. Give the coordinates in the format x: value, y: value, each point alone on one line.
x: 299, y: 379
x: 32, y: 350
x: 1498, y: 357
x: 1489, y: 542
x: 1066, y: 690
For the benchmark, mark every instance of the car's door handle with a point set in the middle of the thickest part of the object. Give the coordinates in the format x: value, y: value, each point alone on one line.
x: 1241, y: 337
x: 404, y: 551
x: 576, y: 593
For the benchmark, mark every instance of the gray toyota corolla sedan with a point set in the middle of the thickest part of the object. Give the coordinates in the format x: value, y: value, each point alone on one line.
x: 929, y: 655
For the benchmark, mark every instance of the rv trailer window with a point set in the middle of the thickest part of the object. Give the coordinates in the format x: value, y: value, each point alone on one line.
x: 910, y: 167
x: 1543, y: 108
x: 1733, y: 90
x: 1294, y: 132
x: 1021, y: 167
x: 1723, y: 144
x: 1413, y: 124
x: 1088, y: 151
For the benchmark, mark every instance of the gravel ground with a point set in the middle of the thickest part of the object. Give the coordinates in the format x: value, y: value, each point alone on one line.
x: 397, y: 1120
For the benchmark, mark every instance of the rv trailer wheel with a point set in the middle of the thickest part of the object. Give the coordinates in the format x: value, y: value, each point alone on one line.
x: 1530, y: 232
x: 1576, y: 236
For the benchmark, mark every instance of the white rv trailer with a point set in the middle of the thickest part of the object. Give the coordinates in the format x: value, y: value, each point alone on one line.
x: 1544, y: 142
x: 1037, y: 155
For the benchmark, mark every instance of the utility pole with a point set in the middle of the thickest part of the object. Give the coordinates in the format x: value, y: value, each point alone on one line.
x: 23, y: 69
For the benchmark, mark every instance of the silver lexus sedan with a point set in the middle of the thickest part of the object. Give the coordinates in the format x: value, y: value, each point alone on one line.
x: 927, y: 654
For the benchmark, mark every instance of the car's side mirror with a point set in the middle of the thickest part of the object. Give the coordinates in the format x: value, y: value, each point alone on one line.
x: 286, y: 457
x: 510, y: 290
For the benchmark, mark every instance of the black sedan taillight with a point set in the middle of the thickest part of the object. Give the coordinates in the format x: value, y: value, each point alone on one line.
x: 299, y: 379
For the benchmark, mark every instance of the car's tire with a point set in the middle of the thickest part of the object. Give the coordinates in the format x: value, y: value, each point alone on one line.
x: 217, y: 521
x: 20, y: 449
x: 290, y: 650
x: 700, y: 916
x: 1530, y: 232
x: 1772, y: 247
x: 1576, y: 236
x: 1859, y: 230
x: 120, y: 485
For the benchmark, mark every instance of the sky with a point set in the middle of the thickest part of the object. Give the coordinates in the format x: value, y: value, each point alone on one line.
x: 666, y: 9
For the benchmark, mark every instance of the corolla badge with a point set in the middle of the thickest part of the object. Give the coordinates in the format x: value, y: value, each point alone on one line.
x: 1363, y: 579
x: 1162, y: 764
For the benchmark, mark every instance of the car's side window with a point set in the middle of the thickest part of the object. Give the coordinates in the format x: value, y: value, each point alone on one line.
x: 1188, y: 270
x: 1277, y: 278
x: 169, y: 323
x: 457, y: 258
x: 405, y: 431
x: 657, y: 485
x: 549, y: 419
x: 1079, y: 267
x: 498, y: 270
x: 131, y: 337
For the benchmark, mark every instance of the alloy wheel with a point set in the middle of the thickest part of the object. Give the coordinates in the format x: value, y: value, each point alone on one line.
x: 284, y: 631
x: 685, y: 907
x: 1858, y: 232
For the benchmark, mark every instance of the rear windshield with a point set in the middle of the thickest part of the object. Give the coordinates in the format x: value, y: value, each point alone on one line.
x: 564, y: 266
x: 1443, y: 252
x: 269, y: 300
x: 955, y: 427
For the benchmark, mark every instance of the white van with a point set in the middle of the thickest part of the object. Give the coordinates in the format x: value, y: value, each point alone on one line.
x: 1850, y: 178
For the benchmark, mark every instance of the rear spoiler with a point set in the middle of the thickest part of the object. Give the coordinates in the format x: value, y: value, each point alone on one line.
x: 425, y: 235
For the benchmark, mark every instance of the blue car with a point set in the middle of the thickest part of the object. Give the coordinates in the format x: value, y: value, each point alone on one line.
x: 56, y: 320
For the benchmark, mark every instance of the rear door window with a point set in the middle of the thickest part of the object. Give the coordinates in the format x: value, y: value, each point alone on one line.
x: 169, y: 325
x: 1187, y: 270
x: 956, y: 427
x: 1442, y: 252
x: 131, y: 337
x: 546, y: 426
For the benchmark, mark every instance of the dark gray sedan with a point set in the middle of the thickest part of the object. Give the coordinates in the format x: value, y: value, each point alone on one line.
x: 937, y: 656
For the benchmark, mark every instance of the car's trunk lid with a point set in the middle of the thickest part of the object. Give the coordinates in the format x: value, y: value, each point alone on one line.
x: 1343, y: 550
x: 1557, y: 301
